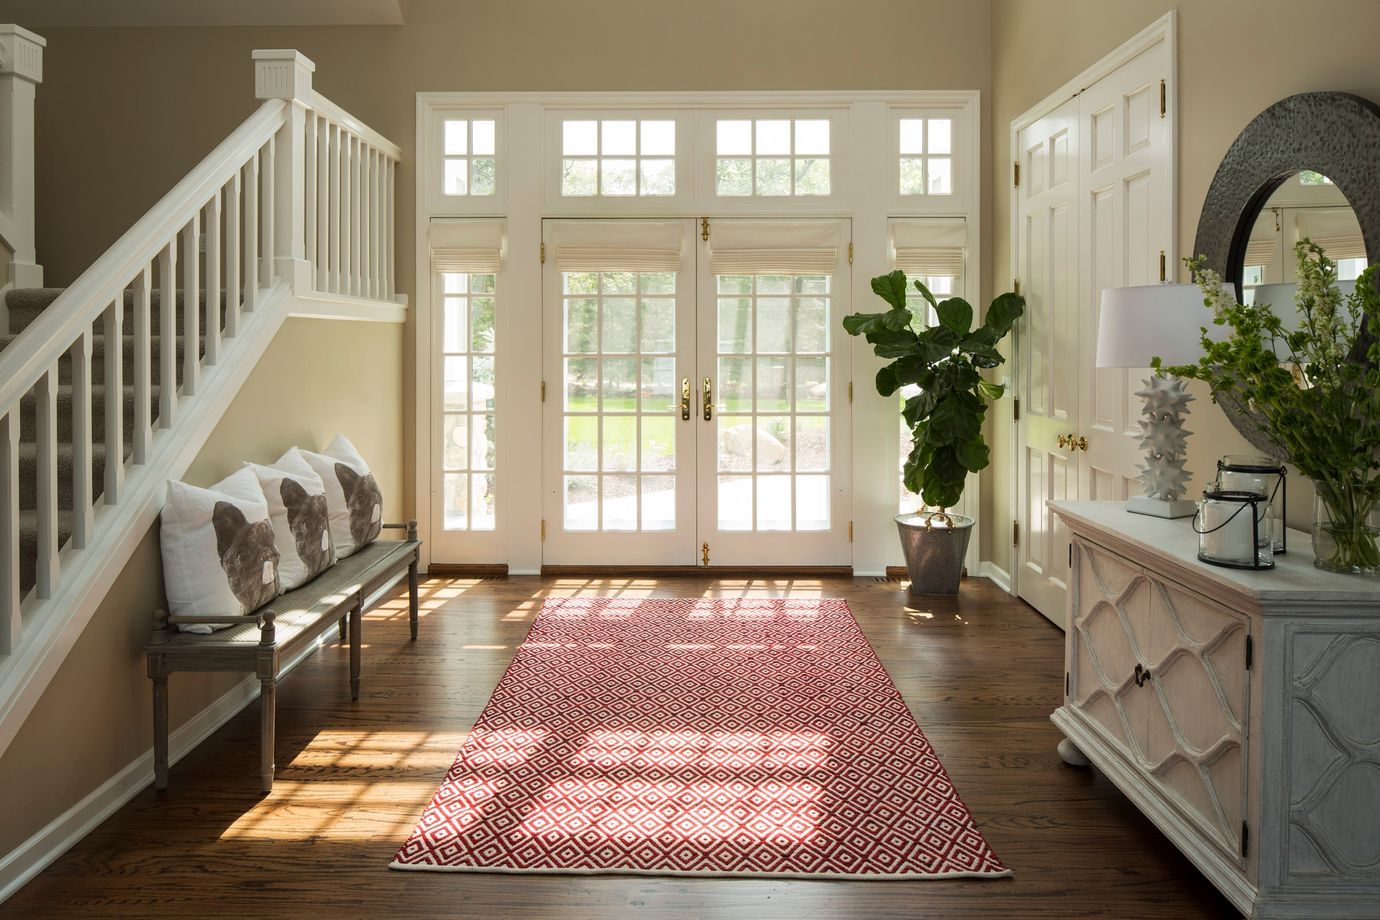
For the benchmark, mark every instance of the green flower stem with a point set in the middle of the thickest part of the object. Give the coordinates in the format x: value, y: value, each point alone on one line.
x: 1349, y: 507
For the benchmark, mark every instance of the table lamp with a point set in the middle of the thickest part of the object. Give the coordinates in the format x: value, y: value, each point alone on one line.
x: 1136, y: 324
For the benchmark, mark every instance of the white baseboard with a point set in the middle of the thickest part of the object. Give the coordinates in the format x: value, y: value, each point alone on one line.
x: 997, y: 574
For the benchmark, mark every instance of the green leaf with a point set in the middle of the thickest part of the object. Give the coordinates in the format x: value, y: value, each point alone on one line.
x: 973, y: 454
x: 991, y: 390
x: 955, y: 314
x: 925, y: 292
x: 891, y: 288
x: 896, y: 319
x: 886, y: 380
x: 918, y: 407
x: 1004, y: 312
x: 862, y: 323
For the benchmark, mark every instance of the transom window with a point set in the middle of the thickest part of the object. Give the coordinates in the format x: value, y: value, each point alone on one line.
x: 772, y: 157
x: 468, y: 164
x: 467, y: 423
x: 618, y: 157
x: 926, y: 148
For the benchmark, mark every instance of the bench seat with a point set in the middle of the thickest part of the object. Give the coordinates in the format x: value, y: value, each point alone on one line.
x: 263, y: 641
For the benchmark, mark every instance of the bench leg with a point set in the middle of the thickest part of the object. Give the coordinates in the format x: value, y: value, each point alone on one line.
x: 412, y: 596
x: 160, y: 731
x: 356, y: 628
x: 267, y: 707
x: 342, y: 629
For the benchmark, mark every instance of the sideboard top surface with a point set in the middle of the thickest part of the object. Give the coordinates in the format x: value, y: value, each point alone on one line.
x: 1292, y: 581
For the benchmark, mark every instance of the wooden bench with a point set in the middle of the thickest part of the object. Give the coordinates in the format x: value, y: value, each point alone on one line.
x: 279, y: 633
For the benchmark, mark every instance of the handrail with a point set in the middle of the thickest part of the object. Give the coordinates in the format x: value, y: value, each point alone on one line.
x: 78, y: 307
x: 323, y: 106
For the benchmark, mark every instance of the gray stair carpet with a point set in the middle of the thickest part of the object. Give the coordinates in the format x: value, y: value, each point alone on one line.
x: 25, y: 305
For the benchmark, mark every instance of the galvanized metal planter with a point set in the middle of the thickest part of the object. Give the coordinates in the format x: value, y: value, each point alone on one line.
x: 934, y: 545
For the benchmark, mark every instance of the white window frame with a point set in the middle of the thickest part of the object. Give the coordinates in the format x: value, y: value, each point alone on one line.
x: 965, y: 147
x: 864, y: 179
x: 613, y: 205
x: 706, y: 157
x: 431, y: 133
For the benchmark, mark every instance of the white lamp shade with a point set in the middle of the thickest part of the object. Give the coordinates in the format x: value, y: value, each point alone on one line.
x: 1280, y: 297
x: 1136, y: 324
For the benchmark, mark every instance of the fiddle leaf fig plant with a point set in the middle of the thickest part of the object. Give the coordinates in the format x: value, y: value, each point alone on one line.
x: 945, y: 362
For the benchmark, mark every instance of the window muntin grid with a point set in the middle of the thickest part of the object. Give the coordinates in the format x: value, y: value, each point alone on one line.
x: 926, y: 156
x: 618, y: 401
x: 772, y: 157
x: 469, y: 157
x: 622, y: 157
x: 468, y: 446
x: 772, y: 425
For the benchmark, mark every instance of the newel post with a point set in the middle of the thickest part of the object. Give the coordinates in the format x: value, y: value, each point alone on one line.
x: 286, y: 74
x: 21, y: 70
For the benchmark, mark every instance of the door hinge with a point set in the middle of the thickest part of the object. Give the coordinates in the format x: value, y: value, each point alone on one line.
x: 1161, y: 265
x: 704, y: 554
x: 704, y: 235
x: 1070, y: 555
x: 850, y: 391
x: 850, y: 253
x: 1016, y: 409
x: 1250, y: 651
x: 850, y: 531
x: 1245, y: 839
x: 543, y: 391
x: 543, y: 253
x: 1015, y: 285
x: 1066, y: 683
x: 1164, y: 99
x: 543, y: 530
x: 1016, y: 174
x: 1015, y: 533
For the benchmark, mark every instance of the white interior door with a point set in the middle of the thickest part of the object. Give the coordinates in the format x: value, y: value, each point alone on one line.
x: 1125, y: 186
x: 773, y: 389
x: 1047, y: 244
x: 620, y: 422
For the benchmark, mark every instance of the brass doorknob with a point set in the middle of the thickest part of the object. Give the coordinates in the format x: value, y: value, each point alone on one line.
x: 1072, y: 441
x: 1081, y: 443
x: 1062, y: 440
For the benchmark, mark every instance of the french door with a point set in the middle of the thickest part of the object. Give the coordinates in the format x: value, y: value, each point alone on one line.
x: 699, y: 414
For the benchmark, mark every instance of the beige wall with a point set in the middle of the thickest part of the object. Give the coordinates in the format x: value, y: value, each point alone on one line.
x: 1236, y: 57
x: 318, y: 378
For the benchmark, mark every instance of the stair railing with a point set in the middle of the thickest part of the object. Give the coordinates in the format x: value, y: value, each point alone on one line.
x: 21, y: 70
x: 300, y: 195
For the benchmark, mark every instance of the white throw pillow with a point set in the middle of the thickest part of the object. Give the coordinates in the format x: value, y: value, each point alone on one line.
x: 219, y: 555
x: 353, y: 498
x: 296, y: 500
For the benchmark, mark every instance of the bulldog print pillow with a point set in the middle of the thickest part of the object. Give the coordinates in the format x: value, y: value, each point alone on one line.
x: 353, y: 499
x: 219, y: 552
x: 296, y: 500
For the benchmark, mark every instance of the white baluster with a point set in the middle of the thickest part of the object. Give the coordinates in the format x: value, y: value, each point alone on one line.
x: 167, y: 335
x: 141, y: 327
x: 191, y: 306
x: 336, y: 250
x: 10, y: 620
x: 389, y: 287
x: 266, y: 213
x: 309, y: 177
x: 356, y: 215
x: 234, y: 200
x: 113, y: 321
x: 212, y: 318
x: 83, y: 459
x: 45, y: 418
x: 323, y: 204
x: 251, y: 234
x: 375, y: 237
x: 365, y: 214
x: 347, y: 210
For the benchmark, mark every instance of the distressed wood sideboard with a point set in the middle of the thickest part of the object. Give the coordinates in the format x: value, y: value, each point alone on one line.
x: 1239, y: 710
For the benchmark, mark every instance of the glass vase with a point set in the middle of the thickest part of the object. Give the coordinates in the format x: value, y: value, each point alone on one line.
x: 1346, y: 530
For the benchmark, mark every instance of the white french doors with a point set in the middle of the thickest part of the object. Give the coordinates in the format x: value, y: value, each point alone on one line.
x: 699, y: 413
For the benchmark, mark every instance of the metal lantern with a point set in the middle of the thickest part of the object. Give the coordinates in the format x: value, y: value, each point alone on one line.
x: 1264, y: 477
x: 1234, y: 530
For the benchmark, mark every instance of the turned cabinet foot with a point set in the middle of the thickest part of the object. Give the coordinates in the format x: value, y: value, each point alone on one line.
x: 1069, y: 753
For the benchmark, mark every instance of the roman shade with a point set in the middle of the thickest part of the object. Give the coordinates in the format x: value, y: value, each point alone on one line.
x: 467, y: 246
x: 615, y: 245
x: 930, y: 248
x: 764, y: 247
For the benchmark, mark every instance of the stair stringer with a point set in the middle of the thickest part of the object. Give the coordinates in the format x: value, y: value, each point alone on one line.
x: 52, y: 626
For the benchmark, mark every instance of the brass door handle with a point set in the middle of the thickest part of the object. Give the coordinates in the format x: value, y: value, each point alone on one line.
x: 1072, y: 441
x: 685, y: 399
x: 708, y: 399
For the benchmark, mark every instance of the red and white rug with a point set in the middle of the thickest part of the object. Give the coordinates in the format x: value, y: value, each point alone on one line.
x: 698, y: 737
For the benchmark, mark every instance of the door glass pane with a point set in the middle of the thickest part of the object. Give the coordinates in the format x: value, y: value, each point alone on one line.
x: 772, y: 437
x: 621, y: 398
x: 467, y: 447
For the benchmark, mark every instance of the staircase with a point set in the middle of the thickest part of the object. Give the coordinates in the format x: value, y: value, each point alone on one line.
x: 109, y: 387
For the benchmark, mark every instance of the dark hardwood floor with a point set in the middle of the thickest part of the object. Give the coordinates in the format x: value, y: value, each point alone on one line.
x: 981, y: 673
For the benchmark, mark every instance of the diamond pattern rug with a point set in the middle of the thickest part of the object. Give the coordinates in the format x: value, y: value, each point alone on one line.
x: 698, y: 737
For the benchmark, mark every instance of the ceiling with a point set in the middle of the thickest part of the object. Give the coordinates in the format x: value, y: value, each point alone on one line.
x: 59, y: 13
